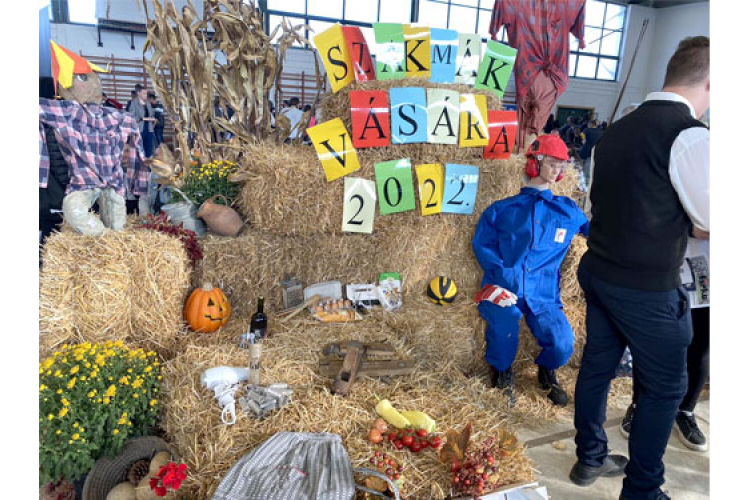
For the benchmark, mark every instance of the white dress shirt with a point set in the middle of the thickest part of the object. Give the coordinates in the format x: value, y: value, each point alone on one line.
x: 688, y: 167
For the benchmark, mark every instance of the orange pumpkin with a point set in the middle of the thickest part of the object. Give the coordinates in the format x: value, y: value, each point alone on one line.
x: 207, y: 309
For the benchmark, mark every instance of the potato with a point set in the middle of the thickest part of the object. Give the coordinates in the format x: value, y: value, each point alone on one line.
x: 123, y: 491
x: 160, y: 460
x: 144, y: 492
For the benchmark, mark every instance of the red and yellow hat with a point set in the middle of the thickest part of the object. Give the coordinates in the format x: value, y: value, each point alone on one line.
x: 65, y: 64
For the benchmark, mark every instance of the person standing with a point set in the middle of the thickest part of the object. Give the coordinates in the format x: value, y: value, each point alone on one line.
x: 159, y: 116
x: 591, y: 136
x: 695, y: 279
x: 143, y: 113
x: 651, y: 185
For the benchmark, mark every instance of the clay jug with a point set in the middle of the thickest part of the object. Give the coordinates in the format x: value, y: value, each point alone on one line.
x: 220, y: 219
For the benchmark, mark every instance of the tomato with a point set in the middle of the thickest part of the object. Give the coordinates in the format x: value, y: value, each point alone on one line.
x: 407, y: 440
x: 398, y: 444
x: 435, y: 442
x: 392, y: 436
x: 422, y: 433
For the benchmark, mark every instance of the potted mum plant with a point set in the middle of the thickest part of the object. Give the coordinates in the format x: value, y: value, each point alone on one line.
x: 92, y: 398
x: 208, y: 185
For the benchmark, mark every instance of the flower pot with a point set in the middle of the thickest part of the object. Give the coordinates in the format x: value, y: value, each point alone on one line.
x: 220, y: 219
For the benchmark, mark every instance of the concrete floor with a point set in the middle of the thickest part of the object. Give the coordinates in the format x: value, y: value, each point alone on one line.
x: 687, y: 472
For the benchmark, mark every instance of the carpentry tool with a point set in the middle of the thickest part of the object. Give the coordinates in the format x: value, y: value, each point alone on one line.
x: 355, y: 363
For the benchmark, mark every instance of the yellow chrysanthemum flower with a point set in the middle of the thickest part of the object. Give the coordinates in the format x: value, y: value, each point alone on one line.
x: 72, y: 382
x: 74, y: 370
x: 50, y: 416
x: 65, y: 402
x: 58, y: 432
x: 152, y: 402
x: 75, y: 425
x: 116, y: 432
x: 63, y: 412
x: 111, y: 391
x: 105, y: 401
x: 42, y: 387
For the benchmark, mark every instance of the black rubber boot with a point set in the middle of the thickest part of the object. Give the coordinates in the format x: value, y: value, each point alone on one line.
x: 503, y: 381
x: 584, y: 475
x: 548, y: 380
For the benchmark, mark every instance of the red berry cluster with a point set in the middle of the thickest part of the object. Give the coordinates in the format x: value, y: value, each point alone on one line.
x: 478, y: 472
x: 414, y: 440
x: 161, y: 224
x: 387, y: 465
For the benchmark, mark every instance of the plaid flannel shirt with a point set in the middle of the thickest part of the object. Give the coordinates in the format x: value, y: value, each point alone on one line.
x: 538, y: 29
x: 92, y: 139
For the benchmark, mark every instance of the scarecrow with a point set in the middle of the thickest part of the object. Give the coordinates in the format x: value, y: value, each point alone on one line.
x: 539, y: 31
x: 520, y: 243
x: 92, y: 139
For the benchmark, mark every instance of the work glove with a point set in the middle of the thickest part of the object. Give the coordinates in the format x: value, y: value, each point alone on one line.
x: 497, y: 295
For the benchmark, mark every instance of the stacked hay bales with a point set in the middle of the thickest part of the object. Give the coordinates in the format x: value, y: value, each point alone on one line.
x: 128, y: 286
x: 291, y: 355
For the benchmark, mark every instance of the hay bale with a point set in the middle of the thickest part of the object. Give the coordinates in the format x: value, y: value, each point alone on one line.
x: 287, y: 193
x: 254, y: 263
x: 192, y: 417
x: 128, y: 285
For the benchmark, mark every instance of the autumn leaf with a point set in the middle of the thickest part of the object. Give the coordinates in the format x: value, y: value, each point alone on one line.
x: 456, y: 445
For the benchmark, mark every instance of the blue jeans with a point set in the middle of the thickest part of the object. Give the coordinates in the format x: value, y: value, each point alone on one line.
x: 148, y: 138
x: 656, y: 326
x: 550, y: 327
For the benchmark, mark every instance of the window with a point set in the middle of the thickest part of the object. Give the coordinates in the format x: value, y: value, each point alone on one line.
x: 82, y: 11
x: 320, y: 15
x: 464, y: 16
x: 604, y: 31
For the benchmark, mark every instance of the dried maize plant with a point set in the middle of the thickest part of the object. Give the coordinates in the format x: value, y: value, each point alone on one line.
x: 226, y: 56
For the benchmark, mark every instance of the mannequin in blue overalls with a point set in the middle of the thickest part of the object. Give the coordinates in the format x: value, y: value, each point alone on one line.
x: 520, y: 243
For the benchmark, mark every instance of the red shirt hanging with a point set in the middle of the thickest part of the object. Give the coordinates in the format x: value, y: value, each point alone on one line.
x: 539, y: 29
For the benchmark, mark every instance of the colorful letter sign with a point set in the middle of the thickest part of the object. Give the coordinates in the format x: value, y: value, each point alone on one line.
x: 371, y: 126
x: 389, y: 51
x: 360, y: 197
x: 473, y: 130
x: 417, y: 51
x: 334, y: 51
x: 430, y: 179
x: 444, y: 52
x: 408, y: 115
x: 496, y: 67
x: 334, y: 148
x: 460, y: 191
x: 442, y: 116
x: 359, y: 53
x: 503, y: 127
x: 395, y: 186
x: 469, y: 55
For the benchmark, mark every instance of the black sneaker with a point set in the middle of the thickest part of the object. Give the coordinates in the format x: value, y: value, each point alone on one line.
x: 627, y: 421
x: 662, y: 495
x: 548, y: 379
x: 504, y: 381
x: 584, y: 475
x: 689, y: 433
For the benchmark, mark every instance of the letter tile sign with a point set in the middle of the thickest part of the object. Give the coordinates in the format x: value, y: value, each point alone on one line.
x: 371, y: 119
x: 442, y: 116
x: 334, y: 147
x: 496, y: 66
x: 395, y: 186
x: 334, y: 51
x: 360, y: 53
x: 503, y: 128
x: 360, y: 198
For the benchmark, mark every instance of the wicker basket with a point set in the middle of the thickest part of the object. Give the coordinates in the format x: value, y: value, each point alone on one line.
x: 109, y: 472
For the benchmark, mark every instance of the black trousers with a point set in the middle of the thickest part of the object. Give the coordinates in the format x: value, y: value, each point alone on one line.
x: 698, y: 365
x: 656, y: 327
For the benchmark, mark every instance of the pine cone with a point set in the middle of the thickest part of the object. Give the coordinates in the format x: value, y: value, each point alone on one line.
x: 137, y: 471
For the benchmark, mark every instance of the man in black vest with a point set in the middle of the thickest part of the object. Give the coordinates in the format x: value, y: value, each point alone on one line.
x: 650, y: 187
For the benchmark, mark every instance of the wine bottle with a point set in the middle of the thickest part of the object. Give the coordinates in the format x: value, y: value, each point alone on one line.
x: 259, y: 322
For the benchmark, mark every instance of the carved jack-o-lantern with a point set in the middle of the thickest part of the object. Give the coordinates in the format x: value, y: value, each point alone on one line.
x: 207, y: 309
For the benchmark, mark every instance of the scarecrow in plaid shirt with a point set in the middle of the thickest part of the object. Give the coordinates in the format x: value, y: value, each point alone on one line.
x: 539, y: 29
x: 92, y: 139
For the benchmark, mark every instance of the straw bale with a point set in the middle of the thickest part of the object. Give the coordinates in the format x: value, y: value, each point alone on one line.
x: 128, y: 285
x: 287, y: 192
x: 254, y: 263
x: 291, y: 353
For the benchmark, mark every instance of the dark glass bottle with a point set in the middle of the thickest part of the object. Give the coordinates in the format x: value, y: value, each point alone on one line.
x: 259, y: 321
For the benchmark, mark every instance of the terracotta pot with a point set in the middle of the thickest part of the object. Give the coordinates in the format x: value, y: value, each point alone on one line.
x: 220, y: 219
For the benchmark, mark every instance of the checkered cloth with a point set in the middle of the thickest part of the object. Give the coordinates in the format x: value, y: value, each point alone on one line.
x: 291, y: 466
x: 92, y: 139
x: 538, y: 29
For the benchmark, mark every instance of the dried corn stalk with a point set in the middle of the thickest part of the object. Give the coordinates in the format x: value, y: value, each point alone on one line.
x: 225, y: 56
